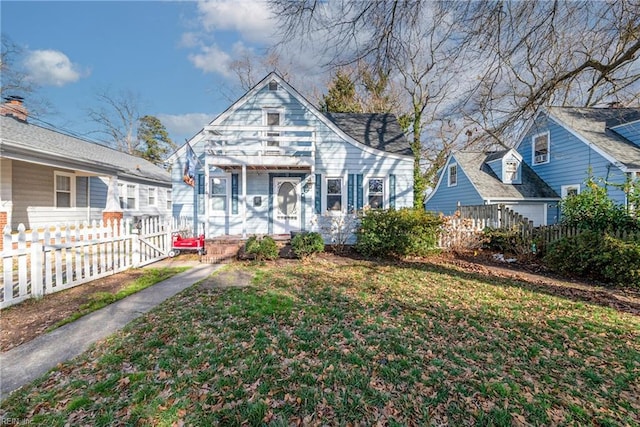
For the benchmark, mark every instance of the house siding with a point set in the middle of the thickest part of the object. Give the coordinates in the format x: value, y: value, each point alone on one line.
x: 570, y: 160
x: 631, y: 131
x: 446, y: 202
x: 32, y: 185
x: 335, y: 157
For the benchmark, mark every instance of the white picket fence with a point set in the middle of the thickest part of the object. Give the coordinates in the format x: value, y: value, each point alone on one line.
x: 40, y: 262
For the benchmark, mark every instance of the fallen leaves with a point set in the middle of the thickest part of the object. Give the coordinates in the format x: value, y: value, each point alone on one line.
x: 358, y: 344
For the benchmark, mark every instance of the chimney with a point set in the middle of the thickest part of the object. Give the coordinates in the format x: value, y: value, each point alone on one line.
x: 13, y: 107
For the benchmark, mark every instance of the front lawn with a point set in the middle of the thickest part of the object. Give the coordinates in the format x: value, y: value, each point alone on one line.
x: 332, y: 343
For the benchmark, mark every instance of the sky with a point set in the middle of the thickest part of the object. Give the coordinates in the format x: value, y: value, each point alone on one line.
x: 173, y: 56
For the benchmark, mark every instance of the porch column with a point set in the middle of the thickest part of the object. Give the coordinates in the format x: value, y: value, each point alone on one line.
x: 243, y: 201
x: 112, y: 211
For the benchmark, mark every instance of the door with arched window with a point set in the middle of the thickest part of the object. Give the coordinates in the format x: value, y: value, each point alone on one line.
x: 286, y: 205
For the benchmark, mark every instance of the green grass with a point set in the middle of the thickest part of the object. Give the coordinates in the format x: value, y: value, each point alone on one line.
x: 99, y: 300
x: 331, y: 344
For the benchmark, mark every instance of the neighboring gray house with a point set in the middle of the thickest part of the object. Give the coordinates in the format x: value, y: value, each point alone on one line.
x: 49, y: 177
x: 273, y: 163
x: 552, y: 159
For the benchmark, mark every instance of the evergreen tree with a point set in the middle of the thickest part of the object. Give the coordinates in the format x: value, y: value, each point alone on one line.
x: 341, y: 97
x: 154, y: 142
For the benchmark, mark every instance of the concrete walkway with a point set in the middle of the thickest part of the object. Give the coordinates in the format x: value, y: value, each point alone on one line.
x: 23, y: 364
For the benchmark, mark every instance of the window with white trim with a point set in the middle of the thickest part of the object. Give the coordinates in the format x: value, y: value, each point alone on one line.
x: 540, y: 148
x: 128, y: 195
x: 376, y: 193
x: 273, y: 85
x: 570, y: 190
x: 334, y: 194
x: 511, y: 171
x: 152, y: 196
x: 272, y: 117
x: 452, y: 175
x: 169, y: 200
x: 64, y: 190
x: 218, y: 196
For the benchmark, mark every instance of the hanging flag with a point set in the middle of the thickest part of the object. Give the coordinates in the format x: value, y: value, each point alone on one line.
x: 189, y: 175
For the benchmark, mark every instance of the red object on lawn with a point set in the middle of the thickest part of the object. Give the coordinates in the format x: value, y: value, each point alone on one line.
x: 179, y: 243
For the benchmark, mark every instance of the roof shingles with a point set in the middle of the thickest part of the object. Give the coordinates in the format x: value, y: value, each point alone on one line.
x: 42, y: 141
x: 593, y: 124
x: 377, y: 130
x: 474, y: 165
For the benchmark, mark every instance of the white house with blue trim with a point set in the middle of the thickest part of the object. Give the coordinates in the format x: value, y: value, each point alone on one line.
x: 272, y: 163
x: 552, y: 159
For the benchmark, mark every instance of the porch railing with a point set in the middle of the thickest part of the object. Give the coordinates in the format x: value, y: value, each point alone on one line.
x: 261, y: 145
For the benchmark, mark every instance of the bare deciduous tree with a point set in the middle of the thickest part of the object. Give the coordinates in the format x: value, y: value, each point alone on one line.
x: 16, y: 82
x: 117, y: 116
x: 511, y: 57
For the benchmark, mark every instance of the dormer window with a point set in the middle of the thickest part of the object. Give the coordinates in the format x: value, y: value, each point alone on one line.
x: 511, y: 172
x: 540, y: 148
x: 273, y: 85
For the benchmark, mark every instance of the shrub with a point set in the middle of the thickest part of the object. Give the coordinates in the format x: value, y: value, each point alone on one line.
x: 506, y: 241
x: 263, y: 248
x: 593, y: 209
x: 598, y: 256
x: 306, y: 244
x: 404, y: 232
x: 337, y: 228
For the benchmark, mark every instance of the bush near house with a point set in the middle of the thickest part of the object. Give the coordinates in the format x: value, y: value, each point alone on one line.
x: 306, y: 244
x: 403, y: 232
x: 264, y: 248
x: 598, y: 256
x: 506, y: 241
x: 595, y: 252
x: 593, y: 209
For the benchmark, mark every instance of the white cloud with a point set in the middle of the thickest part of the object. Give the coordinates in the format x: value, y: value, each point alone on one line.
x: 212, y: 59
x: 51, y: 68
x: 189, y: 39
x: 251, y: 18
x: 184, y: 125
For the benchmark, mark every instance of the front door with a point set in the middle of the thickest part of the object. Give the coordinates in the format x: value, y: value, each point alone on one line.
x: 286, y: 205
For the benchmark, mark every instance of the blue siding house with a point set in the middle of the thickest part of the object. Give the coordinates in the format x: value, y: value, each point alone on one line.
x: 272, y: 163
x: 552, y: 159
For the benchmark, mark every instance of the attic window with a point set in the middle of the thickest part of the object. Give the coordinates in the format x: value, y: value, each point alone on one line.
x: 453, y: 175
x: 511, y: 171
x: 273, y: 85
x: 541, y: 148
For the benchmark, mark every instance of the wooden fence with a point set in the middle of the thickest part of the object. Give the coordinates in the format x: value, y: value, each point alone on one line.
x: 465, y: 229
x: 495, y: 216
x: 545, y: 235
x: 40, y: 262
x: 458, y: 233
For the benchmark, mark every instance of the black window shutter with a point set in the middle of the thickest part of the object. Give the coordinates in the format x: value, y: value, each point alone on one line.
x: 234, y: 193
x: 359, y: 192
x: 392, y: 191
x: 318, y: 198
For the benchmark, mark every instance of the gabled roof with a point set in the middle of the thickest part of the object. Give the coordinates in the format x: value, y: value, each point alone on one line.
x: 379, y: 131
x: 33, y: 143
x: 361, y: 131
x: 593, y: 125
x: 491, y: 187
